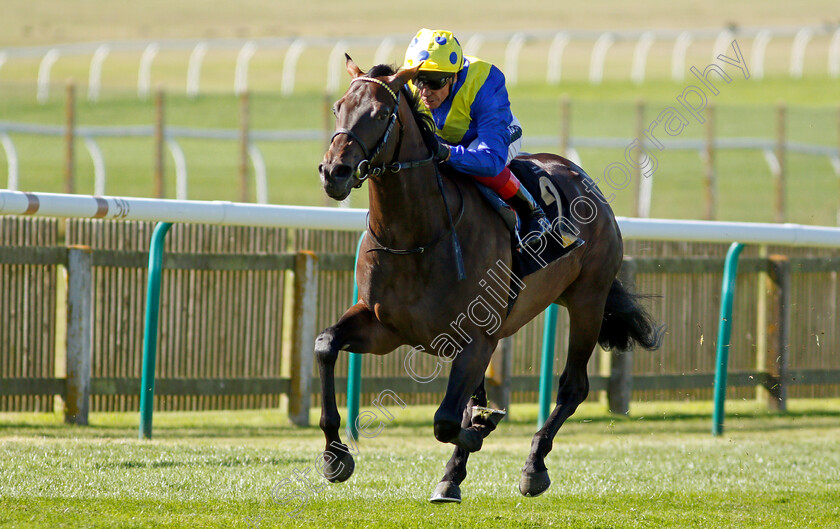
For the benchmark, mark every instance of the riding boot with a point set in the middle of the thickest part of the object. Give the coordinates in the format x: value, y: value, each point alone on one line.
x: 532, y: 218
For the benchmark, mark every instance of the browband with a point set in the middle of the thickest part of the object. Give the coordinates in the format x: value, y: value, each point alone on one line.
x: 377, y: 81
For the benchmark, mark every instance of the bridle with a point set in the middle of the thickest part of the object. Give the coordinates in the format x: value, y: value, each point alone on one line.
x: 364, y: 169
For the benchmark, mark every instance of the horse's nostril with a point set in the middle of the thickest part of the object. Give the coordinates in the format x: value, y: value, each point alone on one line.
x: 341, y: 171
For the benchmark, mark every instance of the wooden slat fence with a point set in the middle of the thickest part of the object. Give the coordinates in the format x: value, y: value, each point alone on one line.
x: 223, y: 335
x: 214, y: 323
x: 27, y: 310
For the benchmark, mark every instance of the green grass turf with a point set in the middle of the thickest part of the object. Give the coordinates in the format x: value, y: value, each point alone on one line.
x: 660, y: 467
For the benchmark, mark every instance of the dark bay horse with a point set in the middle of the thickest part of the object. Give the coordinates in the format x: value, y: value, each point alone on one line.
x: 409, y: 292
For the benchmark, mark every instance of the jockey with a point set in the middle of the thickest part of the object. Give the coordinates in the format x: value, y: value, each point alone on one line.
x: 480, y: 136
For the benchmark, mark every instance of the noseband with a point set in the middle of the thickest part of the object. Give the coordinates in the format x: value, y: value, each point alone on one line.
x: 364, y: 170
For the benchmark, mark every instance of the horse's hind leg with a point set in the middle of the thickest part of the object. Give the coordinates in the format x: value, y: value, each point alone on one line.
x: 466, y: 375
x: 585, y: 317
x: 448, y: 489
x: 359, y: 331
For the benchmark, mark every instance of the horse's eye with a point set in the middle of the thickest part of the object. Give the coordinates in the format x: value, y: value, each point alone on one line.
x: 382, y: 116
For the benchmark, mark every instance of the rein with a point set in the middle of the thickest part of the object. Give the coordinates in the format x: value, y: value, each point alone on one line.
x: 364, y: 171
x: 422, y: 249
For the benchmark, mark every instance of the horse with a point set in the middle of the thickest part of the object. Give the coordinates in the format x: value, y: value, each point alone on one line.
x: 409, y: 293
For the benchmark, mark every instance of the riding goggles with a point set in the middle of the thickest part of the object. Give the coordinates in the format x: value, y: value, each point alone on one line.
x: 432, y: 83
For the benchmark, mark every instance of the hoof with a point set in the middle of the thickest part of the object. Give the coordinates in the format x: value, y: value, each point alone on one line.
x: 446, y: 492
x: 534, y: 484
x: 340, y: 469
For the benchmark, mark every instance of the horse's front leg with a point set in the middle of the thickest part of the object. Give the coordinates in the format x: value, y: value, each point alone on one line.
x: 358, y: 331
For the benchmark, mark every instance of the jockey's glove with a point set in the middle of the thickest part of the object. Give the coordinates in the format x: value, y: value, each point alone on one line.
x: 442, y: 151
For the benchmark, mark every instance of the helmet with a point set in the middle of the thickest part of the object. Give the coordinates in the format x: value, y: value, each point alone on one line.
x: 437, y: 49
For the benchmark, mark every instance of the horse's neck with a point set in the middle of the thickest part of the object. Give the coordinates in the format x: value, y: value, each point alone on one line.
x: 406, y: 208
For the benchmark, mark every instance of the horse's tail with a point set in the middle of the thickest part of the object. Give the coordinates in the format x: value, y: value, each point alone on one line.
x: 627, y: 322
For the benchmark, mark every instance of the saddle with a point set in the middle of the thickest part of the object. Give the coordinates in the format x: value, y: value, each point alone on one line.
x: 560, y: 240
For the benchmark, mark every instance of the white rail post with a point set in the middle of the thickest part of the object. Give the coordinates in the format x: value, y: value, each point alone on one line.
x: 95, y: 75
x: 194, y: 69
x: 70, y: 139
x: 762, y: 39
x: 772, y: 163
x: 514, y: 46
x: 3, y: 57
x: 574, y: 156
x: 722, y: 42
x: 681, y: 44
x: 159, y: 136
x: 383, y: 51
x: 599, y: 54
x: 244, y: 142
x: 640, y: 56
x: 473, y: 44
x: 180, y: 168
x: 645, y: 195
x: 240, y: 82
x: 335, y: 65
x: 260, y: 174
x: 833, y: 56
x: 11, y: 161
x: 98, y: 165
x: 144, y: 76
x: 287, y: 86
x: 645, y: 180
x: 797, y: 51
x: 554, y: 69
x: 44, y: 74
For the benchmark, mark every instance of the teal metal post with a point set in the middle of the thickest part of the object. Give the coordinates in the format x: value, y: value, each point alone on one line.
x: 150, y: 332
x: 727, y: 293
x: 354, y: 372
x: 547, y: 367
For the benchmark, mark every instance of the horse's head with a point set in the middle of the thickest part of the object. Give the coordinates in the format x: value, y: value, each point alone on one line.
x: 363, y: 141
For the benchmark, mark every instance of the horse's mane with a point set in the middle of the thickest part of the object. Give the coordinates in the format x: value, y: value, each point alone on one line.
x: 424, y: 121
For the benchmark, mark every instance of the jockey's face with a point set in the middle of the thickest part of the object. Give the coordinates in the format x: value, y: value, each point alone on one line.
x: 434, y: 98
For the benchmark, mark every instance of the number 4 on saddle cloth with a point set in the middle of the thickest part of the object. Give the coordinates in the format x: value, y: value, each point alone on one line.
x: 558, y: 241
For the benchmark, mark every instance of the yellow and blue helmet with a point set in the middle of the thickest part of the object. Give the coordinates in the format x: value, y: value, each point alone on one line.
x: 438, y: 50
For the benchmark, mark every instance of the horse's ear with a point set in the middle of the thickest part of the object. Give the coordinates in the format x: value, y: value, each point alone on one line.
x: 404, y: 76
x: 352, y: 69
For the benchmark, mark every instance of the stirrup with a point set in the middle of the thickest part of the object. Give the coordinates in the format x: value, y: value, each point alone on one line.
x: 532, y: 237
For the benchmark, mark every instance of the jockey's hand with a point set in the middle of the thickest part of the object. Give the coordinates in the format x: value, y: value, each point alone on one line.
x: 442, y: 151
